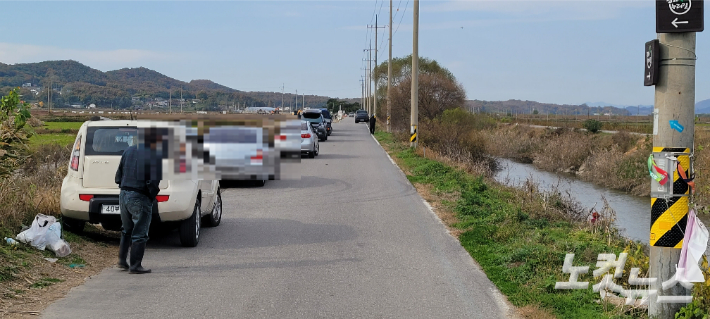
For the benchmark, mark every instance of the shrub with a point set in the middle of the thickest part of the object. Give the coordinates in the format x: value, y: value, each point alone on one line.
x: 592, y: 125
x: 624, y: 140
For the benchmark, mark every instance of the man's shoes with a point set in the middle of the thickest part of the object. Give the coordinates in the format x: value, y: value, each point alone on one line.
x: 123, y: 252
x: 137, y: 251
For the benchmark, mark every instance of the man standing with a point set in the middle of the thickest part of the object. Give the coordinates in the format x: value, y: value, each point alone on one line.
x: 373, y: 120
x: 138, y: 176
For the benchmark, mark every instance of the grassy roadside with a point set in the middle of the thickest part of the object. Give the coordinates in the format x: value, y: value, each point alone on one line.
x: 520, y: 236
x: 28, y: 281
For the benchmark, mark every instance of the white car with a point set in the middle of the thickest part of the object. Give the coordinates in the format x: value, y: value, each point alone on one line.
x: 309, y: 140
x: 240, y: 153
x: 287, y: 141
x: 89, y: 192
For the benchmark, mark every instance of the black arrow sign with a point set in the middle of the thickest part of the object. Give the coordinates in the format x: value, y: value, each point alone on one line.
x: 676, y: 16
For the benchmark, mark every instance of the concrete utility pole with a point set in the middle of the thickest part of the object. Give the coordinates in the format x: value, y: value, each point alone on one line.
x: 170, y: 101
x: 282, y: 94
x: 389, y: 74
x: 674, y: 100
x: 362, y: 93
x: 296, y: 107
x: 180, y: 99
x: 374, y: 80
x: 369, y: 79
x: 415, y: 77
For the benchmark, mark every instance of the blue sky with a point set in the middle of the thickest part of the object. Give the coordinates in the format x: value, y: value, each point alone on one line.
x: 547, y: 51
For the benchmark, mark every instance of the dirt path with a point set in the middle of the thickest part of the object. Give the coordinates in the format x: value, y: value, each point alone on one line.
x: 39, y: 282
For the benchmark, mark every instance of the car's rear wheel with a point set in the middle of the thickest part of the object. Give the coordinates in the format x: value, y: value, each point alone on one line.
x: 213, y: 219
x: 190, y: 228
x: 316, y: 148
x: 73, y: 225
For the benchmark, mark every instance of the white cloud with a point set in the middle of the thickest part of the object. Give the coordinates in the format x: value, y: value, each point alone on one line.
x: 11, y: 53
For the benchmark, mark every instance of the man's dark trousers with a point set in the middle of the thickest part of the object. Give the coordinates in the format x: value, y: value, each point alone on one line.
x: 373, y: 120
x: 136, y: 213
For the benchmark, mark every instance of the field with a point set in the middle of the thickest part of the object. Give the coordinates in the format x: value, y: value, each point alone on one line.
x: 637, y: 124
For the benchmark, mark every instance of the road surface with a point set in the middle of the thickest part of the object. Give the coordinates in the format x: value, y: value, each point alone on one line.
x: 350, y: 239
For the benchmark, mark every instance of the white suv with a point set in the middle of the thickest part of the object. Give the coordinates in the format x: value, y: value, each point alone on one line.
x: 89, y: 192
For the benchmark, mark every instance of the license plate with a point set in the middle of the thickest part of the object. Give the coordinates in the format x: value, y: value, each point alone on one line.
x: 110, y: 209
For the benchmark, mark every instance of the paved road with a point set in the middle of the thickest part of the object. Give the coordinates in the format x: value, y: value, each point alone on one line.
x: 290, y: 250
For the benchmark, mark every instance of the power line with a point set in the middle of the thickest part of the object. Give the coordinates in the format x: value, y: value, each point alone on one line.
x: 400, y: 19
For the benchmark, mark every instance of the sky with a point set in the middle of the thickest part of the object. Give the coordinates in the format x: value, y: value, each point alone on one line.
x: 566, y: 52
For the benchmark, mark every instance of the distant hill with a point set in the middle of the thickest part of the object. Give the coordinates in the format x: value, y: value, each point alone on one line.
x: 528, y: 107
x: 79, y: 85
x: 702, y: 107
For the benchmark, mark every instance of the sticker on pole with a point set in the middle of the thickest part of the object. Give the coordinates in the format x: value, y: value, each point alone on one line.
x: 676, y: 126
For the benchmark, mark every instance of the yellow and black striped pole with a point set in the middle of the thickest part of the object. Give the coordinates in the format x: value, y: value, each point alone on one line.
x: 669, y: 203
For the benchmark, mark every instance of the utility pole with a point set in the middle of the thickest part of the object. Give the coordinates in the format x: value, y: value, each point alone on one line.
x: 369, y: 79
x: 674, y: 101
x: 181, y: 99
x: 362, y: 93
x: 296, y: 107
x: 389, y: 74
x: 415, y: 77
x: 282, y: 94
x: 170, y: 101
x: 374, y: 95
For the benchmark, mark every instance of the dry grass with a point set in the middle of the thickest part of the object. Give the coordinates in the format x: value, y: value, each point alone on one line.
x: 615, y: 161
x: 34, y: 188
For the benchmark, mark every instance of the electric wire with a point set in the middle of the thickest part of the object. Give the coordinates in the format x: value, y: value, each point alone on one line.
x: 402, y: 17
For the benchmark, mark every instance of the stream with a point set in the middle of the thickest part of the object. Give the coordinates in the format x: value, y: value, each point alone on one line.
x: 633, y: 213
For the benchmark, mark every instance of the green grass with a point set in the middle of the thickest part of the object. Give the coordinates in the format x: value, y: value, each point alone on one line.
x: 44, y: 282
x: 520, y: 252
x: 62, y: 125
x: 52, y: 138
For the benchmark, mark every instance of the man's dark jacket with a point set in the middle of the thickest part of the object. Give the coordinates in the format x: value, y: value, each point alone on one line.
x: 140, y: 170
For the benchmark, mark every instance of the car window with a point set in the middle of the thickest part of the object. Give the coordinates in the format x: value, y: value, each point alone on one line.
x: 304, y: 126
x: 311, y: 115
x: 110, y: 140
x: 232, y: 135
x: 326, y: 114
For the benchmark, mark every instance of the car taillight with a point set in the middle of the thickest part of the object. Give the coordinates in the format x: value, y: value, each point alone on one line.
x: 258, y: 158
x: 307, y: 135
x: 74, y: 165
x: 183, y: 166
x: 86, y: 197
x: 282, y: 137
x: 162, y: 198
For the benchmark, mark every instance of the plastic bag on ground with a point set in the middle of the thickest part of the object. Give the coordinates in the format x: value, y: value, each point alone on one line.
x: 55, y: 242
x: 36, y: 234
x: 60, y: 248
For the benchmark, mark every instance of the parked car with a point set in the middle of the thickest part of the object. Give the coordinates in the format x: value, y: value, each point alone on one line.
x: 286, y: 142
x: 309, y: 140
x: 89, y: 192
x: 328, y: 120
x: 240, y: 153
x: 361, y: 116
x: 315, y: 117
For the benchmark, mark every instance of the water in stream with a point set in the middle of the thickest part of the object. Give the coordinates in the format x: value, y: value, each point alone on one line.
x: 633, y: 213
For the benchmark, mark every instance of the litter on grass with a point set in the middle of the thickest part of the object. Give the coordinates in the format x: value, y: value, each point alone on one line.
x: 45, y: 232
